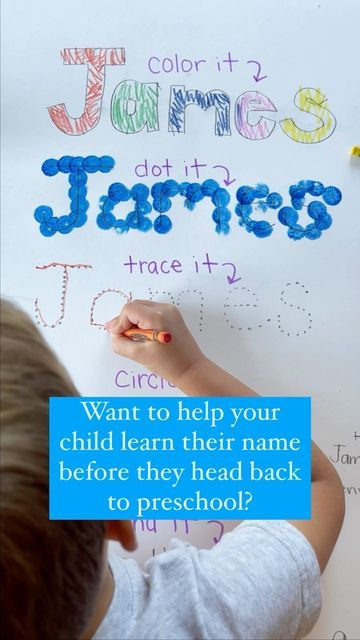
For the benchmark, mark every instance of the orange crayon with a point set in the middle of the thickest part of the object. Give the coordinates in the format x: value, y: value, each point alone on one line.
x: 148, y: 334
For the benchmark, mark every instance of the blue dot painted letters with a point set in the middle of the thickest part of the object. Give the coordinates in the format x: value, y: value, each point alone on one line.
x: 254, y: 209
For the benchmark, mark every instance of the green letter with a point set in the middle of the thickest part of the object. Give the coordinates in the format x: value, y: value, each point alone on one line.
x: 134, y: 105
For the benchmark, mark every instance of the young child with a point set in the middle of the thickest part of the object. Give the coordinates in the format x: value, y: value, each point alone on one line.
x: 260, y: 581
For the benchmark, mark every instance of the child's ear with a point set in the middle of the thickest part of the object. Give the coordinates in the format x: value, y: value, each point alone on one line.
x: 121, y: 531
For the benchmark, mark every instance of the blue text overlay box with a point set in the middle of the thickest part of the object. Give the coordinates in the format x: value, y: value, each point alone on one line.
x: 167, y: 458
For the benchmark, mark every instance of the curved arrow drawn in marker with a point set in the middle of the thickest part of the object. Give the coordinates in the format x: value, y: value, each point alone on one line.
x: 231, y: 279
x: 226, y: 180
x: 217, y: 539
x: 257, y: 77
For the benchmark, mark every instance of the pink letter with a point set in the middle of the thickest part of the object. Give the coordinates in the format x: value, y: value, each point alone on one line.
x: 101, y: 325
x: 96, y: 60
x: 254, y: 101
x: 65, y: 279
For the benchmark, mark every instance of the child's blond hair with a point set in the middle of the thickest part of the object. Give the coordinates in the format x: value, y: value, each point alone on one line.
x: 50, y: 570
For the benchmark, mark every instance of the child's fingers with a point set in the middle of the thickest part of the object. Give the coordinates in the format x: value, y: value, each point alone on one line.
x: 138, y: 314
x: 129, y: 348
x: 148, y: 303
x: 134, y: 313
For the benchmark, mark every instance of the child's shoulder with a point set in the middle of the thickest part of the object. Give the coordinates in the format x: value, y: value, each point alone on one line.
x: 261, y: 580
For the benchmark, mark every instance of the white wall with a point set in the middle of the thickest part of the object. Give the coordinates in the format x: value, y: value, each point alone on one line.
x: 298, y: 44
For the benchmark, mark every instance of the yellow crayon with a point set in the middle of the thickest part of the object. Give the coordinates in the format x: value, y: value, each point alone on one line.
x: 355, y: 151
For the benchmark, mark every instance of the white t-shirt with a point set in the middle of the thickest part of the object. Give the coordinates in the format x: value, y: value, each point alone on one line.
x: 261, y: 581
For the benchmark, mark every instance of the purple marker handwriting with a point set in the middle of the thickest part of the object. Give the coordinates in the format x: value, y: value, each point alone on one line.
x: 257, y: 77
x: 226, y: 180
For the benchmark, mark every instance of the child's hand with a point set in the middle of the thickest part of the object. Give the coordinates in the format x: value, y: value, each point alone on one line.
x: 172, y: 360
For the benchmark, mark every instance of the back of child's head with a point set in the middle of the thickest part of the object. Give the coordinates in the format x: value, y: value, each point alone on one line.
x: 50, y: 570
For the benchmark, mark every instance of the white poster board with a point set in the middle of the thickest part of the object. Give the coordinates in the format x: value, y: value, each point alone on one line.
x: 261, y: 93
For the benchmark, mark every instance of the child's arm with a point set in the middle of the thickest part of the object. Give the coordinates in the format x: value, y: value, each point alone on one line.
x: 183, y: 363
x: 328, y: 507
